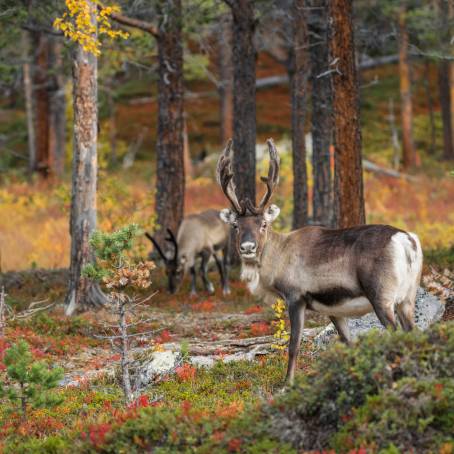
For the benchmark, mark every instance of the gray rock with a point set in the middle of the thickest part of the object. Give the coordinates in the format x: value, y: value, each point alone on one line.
x: 428, y: 309
x: 160, y: 363
x: 202, y: 361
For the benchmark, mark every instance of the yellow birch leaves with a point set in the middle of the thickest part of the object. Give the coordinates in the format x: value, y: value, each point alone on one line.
x: 280, y: 333
x: 76, y: 24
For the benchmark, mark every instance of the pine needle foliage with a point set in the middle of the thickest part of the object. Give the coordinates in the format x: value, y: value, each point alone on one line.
x: 29, y: 383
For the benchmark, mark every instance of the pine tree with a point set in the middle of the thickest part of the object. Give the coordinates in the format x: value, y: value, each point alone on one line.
x: 29, y: 382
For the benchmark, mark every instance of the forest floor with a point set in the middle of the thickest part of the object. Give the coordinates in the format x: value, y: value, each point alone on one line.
x: 92, y: 396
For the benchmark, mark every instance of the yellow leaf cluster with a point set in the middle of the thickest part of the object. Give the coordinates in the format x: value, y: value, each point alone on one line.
x: 79, y: 26
x: 280, y: 332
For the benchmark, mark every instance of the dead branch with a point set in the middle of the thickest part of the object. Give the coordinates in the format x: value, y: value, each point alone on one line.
x: 375, y: 168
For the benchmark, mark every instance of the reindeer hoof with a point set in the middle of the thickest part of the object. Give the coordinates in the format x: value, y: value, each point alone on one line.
x: 210, y: 288
x: 226, y: 291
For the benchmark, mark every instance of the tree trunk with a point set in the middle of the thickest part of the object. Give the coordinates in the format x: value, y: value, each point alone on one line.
x: 394, y: 135
x: 188, y: 171
x: 225, y: 77
x: 170, y: 148
x: 83, y: 292
x: 44, y: 161
x: 444, y: 76
x: 57, y: 123
x: 244, y: 122
x: 322, y: 120
x: 451, y: 71
x: 28, y: 94
x: 298, y: 75
x: 112, y: 125
x: 408, y: 148
x: 445, y: 103
x: 430, y: 106
x: 347, y: 131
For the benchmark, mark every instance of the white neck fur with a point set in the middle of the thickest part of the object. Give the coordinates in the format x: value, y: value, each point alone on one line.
x: 250, y: 274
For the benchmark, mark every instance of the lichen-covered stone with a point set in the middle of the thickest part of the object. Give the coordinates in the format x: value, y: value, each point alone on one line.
x: 428, y: 310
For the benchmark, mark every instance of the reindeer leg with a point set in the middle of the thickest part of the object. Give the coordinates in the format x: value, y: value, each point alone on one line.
x: 406, y: 314
x: 296, y: 311
x: 385, y: 312
x: 209, y: 287
x: 193, y: 281
x: 340, y: 323
x: 223, y: 273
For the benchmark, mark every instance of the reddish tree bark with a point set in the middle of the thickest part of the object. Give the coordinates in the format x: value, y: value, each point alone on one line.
x: 451, y: 72
x: 347, y: 131
x: 446, y: 81
x: 445, y: 104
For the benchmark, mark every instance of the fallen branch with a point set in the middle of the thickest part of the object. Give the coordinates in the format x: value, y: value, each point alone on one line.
x: 375, y: 168
x: 232, y: 345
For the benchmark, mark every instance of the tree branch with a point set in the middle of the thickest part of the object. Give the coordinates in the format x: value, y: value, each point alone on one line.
x: 134, y: 23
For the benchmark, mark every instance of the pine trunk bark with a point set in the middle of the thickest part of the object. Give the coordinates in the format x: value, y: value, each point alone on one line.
x: 322, y: 114
x: 408, y: 148
x: 298, y: 75
x: 57, y: 121
x: 28, y: 93
x: 225, y: 88
x: 451, y: 71
x: 170, y: 147
x: 244, y: 108
x: 445, y: 104
x: 430, y: 107
x: 82, y: 291
x: 446, y: 81
x: 347, y: 129
x: 44, y: 161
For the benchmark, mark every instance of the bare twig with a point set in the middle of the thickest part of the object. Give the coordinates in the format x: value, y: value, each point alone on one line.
x: 2, y: 312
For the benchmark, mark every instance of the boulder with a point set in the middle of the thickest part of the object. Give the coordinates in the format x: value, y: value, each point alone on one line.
x: 159, y: 363
x: 428, y: 309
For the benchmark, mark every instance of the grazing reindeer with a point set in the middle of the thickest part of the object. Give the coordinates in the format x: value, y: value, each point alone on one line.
x: 340, y: 273
x: 200, y: 235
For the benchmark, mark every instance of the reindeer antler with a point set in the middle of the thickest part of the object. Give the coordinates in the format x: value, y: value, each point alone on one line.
x: 224, y: 177
x: 271, y: 180
x: 171, y: 238
x: 156, y: 245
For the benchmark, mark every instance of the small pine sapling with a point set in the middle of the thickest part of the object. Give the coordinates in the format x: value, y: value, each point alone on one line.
x: 117, y: 272
x: 29, y: 382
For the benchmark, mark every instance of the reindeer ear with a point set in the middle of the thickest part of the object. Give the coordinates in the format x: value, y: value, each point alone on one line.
x: 228, y: 216
x: 271, y: 213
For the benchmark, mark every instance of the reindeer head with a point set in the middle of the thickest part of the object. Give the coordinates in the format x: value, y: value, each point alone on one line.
x: 251, y: 222
x: 174, y: 264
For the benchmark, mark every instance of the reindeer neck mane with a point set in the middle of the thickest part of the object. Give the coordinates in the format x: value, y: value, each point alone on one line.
x: 250, y: 271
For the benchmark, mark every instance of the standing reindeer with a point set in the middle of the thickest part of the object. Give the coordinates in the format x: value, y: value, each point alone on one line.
x: 341, y: 273
x: 200, y: 235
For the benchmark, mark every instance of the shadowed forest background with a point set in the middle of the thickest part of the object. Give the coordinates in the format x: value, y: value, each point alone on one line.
x: 114, y: 114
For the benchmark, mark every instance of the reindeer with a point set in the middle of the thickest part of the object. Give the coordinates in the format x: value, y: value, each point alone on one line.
x: 200, y: 235
x: 338, y: 272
